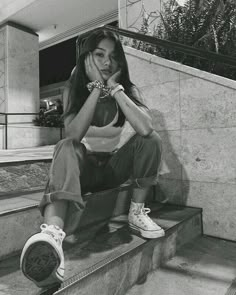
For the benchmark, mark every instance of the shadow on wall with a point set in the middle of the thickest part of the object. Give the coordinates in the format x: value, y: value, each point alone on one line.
x: 171, y: 187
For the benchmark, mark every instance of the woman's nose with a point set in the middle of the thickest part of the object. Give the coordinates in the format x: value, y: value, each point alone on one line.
x: 107, y: 61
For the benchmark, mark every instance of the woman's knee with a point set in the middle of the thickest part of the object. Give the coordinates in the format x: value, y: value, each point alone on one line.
x: 68, y: 146
x: 79, y: 148
x: 151, y: 142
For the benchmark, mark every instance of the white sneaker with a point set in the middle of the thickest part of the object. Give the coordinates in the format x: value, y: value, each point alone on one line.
x: 141, y: 222
x: 42, y: 258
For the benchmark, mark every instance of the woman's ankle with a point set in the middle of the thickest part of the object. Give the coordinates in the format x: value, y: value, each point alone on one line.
x: 55, y: 213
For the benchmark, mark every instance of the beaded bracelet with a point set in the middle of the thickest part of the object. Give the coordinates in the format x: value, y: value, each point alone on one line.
x: 105, y: 91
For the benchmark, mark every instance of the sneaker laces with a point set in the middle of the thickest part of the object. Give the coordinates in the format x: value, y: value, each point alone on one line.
x: 142, y: 211
x: 54, y: 231
x: 145, y: 211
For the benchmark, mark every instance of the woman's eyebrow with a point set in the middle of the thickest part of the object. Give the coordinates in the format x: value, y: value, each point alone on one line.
x: 101, y: 48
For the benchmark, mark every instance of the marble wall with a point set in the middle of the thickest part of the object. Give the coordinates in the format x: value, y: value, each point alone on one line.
x: 195, y: 114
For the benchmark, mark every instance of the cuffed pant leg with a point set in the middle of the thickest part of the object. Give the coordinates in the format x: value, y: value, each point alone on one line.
x: 138, y: 159
x: 64, y: 175
x: 147, y: 159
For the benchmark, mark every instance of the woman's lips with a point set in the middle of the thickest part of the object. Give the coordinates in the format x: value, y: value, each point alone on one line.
x: 106, y: 72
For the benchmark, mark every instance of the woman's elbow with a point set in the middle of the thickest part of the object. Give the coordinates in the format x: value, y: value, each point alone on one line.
x: 147, y: 130
x: 69, y: 134
x: 75, y: 135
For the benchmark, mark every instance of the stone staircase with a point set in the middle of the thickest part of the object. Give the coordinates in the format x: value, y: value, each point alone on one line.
x: 204, y: 266
x: 103, y: 256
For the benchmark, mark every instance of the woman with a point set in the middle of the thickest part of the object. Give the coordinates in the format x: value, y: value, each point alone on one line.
x: 98, y: 153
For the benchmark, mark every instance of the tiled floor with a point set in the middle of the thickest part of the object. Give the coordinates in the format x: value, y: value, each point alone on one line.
x: 26, y: 154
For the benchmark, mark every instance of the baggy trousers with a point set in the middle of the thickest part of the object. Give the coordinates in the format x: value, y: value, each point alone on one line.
x: 75, y: 171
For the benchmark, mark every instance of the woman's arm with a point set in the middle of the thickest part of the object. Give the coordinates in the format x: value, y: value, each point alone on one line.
x: 138, y: 116
x: 76, y: 125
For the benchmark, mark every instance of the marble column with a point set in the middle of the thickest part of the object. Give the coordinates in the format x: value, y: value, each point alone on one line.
x: 19, y: 72
x: 2, y: 70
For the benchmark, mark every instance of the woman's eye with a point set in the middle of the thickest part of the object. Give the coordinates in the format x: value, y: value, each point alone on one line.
x: 99, y: 54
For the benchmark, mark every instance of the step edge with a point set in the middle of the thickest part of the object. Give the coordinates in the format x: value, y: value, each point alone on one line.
x: 171, y: 229
x: 21, y: 193
x: 86, y: 197
x: 118, y: 254
x: 24, y: 162
x: 99, y: 265
x: 18, y: 210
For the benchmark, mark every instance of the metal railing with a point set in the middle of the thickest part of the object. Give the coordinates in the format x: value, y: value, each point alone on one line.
x: 6, y: 124
x: 186, y: 49
x: 190, y: 50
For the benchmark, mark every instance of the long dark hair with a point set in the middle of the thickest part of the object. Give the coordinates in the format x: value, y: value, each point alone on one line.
x: 78, y: 91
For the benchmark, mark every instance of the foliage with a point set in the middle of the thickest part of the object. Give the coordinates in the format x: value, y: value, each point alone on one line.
x: 48, y: 120
x: 205, y: 24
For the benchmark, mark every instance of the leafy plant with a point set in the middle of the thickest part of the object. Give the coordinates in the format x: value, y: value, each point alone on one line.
x: 205, y: 24
x: 48, y: 120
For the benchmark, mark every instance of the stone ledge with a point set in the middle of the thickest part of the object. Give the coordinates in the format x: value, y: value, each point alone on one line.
x: 23, y: 136
x: 24, y: 176
x: 180, y: 68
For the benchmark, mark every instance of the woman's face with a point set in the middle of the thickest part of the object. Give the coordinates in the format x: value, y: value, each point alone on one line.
x: 105, y: 58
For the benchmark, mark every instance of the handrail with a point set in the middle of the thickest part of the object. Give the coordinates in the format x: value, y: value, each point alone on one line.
x: 6, y: 123
x: 231, y: 61
x: 15, y: 114
x: 190, y: 50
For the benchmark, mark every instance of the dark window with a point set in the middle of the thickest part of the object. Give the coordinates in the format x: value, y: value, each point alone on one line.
x: 57, y: 62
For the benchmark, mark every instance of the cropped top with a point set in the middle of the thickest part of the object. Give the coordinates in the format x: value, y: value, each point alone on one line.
x: 108, y: 138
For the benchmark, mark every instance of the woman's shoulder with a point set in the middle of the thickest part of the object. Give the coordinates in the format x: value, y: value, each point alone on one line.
x: 68, y: 83
x: 67, y: 86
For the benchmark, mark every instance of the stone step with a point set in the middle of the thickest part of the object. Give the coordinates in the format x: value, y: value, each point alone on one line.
x: 107, y: 258
x: 205, y: 266
x: 20, y: 217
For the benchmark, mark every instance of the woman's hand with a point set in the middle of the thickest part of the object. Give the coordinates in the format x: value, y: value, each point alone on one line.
x: 114, y: 79
x: 91, y: 69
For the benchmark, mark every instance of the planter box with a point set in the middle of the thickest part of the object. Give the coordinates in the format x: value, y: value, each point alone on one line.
x: 24, y: 136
